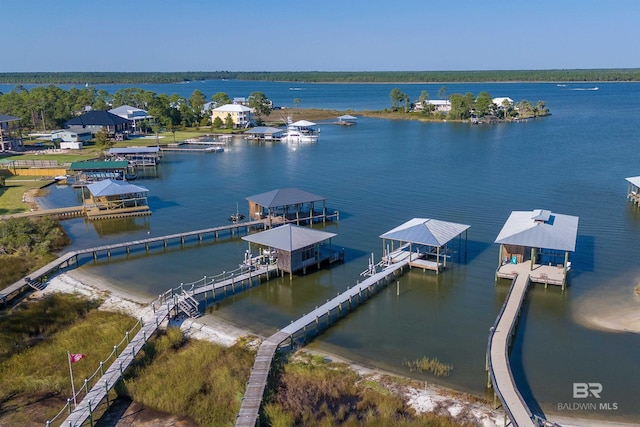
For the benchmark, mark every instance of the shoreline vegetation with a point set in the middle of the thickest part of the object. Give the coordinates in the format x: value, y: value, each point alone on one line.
x: 477, y: 76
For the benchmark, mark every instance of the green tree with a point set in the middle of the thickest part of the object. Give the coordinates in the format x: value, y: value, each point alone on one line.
x: 397, y: 97
x: 484, y: 104
x: 102, y: 139
x: 296, y: 102
x: 260, y: 104
x: 2, y: 181
x: 442, y: 92
x: 221, y: 99
x: 228, y: 122
x: 217, y: 123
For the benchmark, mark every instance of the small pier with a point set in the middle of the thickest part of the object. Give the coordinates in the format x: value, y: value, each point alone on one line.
x: 499, y: 346
x: 208, y: 149
x: 299, y: 331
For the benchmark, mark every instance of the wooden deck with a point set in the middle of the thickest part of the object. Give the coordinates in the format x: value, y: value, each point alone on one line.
x: 298, y: 332
x: 500, y: 340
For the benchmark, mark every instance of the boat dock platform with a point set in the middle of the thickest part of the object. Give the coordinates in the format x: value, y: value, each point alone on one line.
x: 500, y: 339
x: 298, y: 331
x: 209, y: 149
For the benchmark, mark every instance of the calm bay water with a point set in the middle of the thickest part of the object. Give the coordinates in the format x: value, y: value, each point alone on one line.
x: 381, y: 173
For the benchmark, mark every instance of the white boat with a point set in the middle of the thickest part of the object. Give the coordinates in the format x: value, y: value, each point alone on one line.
x: 300, y: 131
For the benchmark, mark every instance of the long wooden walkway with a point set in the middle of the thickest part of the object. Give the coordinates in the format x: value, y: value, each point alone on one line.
x: 72, y: 257
x: 298, y: 330
x: 56, y: 213
x: 498, y: 351
x: 167, y: 303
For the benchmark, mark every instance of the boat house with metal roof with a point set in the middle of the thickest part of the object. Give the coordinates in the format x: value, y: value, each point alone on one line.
x: 296, y: 248
x: 541, y: 238
x: 264, y: 133
x: 425, y: 242
x: 633, y: 190
x: 115, y: 199
x: 91, y: 171
x: 287, y: 205
x: 136, y: 156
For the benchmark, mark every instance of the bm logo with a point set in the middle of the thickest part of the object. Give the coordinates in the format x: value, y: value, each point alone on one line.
x: 585, y: 390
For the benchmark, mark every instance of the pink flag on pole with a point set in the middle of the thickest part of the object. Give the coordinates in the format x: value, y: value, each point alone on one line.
x: 76, y: 357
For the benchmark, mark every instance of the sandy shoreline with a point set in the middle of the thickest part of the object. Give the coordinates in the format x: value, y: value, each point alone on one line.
x: 424, y: 398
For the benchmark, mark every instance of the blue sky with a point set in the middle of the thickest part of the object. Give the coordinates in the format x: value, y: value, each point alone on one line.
x: 324, y: 35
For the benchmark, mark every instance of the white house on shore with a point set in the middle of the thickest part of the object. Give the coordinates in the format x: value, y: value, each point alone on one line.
x: 70, y: 139
x: 438, y: 105
x: 242, y: 116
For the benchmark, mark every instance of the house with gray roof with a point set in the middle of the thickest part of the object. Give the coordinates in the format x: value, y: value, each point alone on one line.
x: 96, y: 120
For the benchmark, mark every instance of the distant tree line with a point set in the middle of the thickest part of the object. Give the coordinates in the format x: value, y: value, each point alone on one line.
x: 49, y: 107
x: 80, y: 78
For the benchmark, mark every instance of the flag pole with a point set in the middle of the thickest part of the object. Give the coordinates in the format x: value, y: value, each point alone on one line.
x: 73, y: 387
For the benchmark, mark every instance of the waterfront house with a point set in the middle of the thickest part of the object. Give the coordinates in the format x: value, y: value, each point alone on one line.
x: 437, y: 105
x: 296, y: 248
x: 287, y: 205
x: 9, y: 132
x: 96, y: 120
x: 425, y: 242
x: 541, y: 238
x: 69, y: 139
x: 242, y: 116
x: 113, y: 199
x: 131, y: 113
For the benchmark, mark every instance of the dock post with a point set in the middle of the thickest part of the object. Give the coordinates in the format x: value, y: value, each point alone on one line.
x: 146, y: 246
x: 398, y: 288
x: 128, y: 250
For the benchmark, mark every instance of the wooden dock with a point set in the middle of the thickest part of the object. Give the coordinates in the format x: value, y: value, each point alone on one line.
x: 298, y: 332
x: 56, y: 213
x: 499, y: 346
x: 72, y: 258
x: 172, y: 301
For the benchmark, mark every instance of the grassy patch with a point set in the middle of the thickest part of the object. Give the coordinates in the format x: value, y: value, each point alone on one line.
x: 198, y: 379
x: 432, y: 366
x: 29, y: 324
x: 313, y: 392
x: 43, y: 368
x: 11, y: 195
x: 67, y: 156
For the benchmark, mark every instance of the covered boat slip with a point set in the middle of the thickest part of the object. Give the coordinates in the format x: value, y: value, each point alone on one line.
x: 136, y: 156
x: 543, y: 240
x: 296, y: 248
x: 289, y: 205
x: 633, y: 190
x: 112, y: 199
x: 85, y: 173
x: 424, y: 242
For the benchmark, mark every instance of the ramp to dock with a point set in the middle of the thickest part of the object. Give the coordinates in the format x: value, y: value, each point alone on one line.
x: 252, y: 400
x: 498, y: 352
